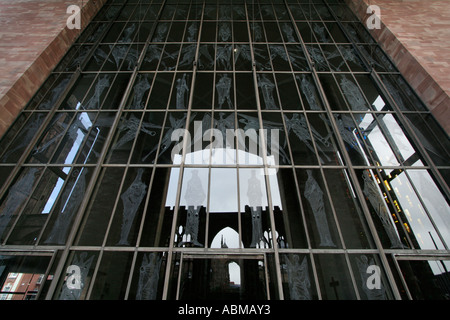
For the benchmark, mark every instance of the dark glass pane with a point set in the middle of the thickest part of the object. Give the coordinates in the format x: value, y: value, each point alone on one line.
x: 245, y: 91
x: 65, y: 209
x: 112, y: 276
x: 148, y: 136
x: 288, y: 92
x: 180, y: 91
x: 348, y: 210
x: 159, y: 212
x: 100, y: 208
x: 334, y: 277
x: 203, y: 91
x: 160, y: 91
x: 319, y: 216
x: 17, y: 197
x: 287, y: 210
x: 19, y: 136
x: 427, y: 280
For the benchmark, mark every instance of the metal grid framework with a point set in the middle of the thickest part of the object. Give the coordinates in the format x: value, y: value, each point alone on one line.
x: 361, y: 178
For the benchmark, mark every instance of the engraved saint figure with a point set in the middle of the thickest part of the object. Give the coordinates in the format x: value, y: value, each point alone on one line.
x: 131, y: 200
x: 139, y: 90
x: 182, y: 89
x: 298, y: 277
x: 148, y: 277
x: 223, y: 87
x: 194, y: 196
x: 255, y: 195
x: 314, y: 195
x: 267, y: 88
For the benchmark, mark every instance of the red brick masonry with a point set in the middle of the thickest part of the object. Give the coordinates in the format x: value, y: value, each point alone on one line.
x: 33, y: 39
x: 416, y: 34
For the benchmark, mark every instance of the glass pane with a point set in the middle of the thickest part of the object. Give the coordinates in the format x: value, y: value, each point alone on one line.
x: 369, y: 277
x: 334, y: 277
x: 127, y: 216
x: 348, y: 210
x: 112, y: 276
x: 23, y: 277
x: 17, y: 197
x: 288, y: 215
x: 79, y: 268
x: 148, y: 276
x: 191, y: 226
x: 427, y: 280
x: 222, y: 279
x: 298, y: 279
x: 13, y: 151
x: 69, y: 200
x: 159, y: 212
x: 417, y: 221
x: 389, y: 227
x: 319, y: 216
x: 101, y: 206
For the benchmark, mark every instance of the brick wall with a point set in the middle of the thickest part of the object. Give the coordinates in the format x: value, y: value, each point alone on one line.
x: 33, y: 39
x: 416, y: 34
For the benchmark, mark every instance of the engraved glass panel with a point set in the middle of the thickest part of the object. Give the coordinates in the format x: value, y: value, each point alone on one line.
x: 77, y: 289
x: 298, y: 278
x: 148, y: 276
x: 319, y: 215
x: 129, y: 208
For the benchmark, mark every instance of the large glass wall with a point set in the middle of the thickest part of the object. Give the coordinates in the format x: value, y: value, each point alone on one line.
x: 225, y: 149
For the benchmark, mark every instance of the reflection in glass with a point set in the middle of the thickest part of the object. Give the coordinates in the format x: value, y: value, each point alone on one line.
x: 426, y: 279
x: 16, y: 198
x: 23, y: 277
x: 69, y: 203
x: 376, y: 199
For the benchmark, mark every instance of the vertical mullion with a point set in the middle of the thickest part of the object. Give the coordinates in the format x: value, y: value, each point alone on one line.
x: 263, y: 148
x: 180, y: 176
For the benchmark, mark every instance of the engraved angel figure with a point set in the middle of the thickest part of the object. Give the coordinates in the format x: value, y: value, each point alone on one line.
x: 131, y: 200
x: 148, y: 277
x: 298, y: 277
